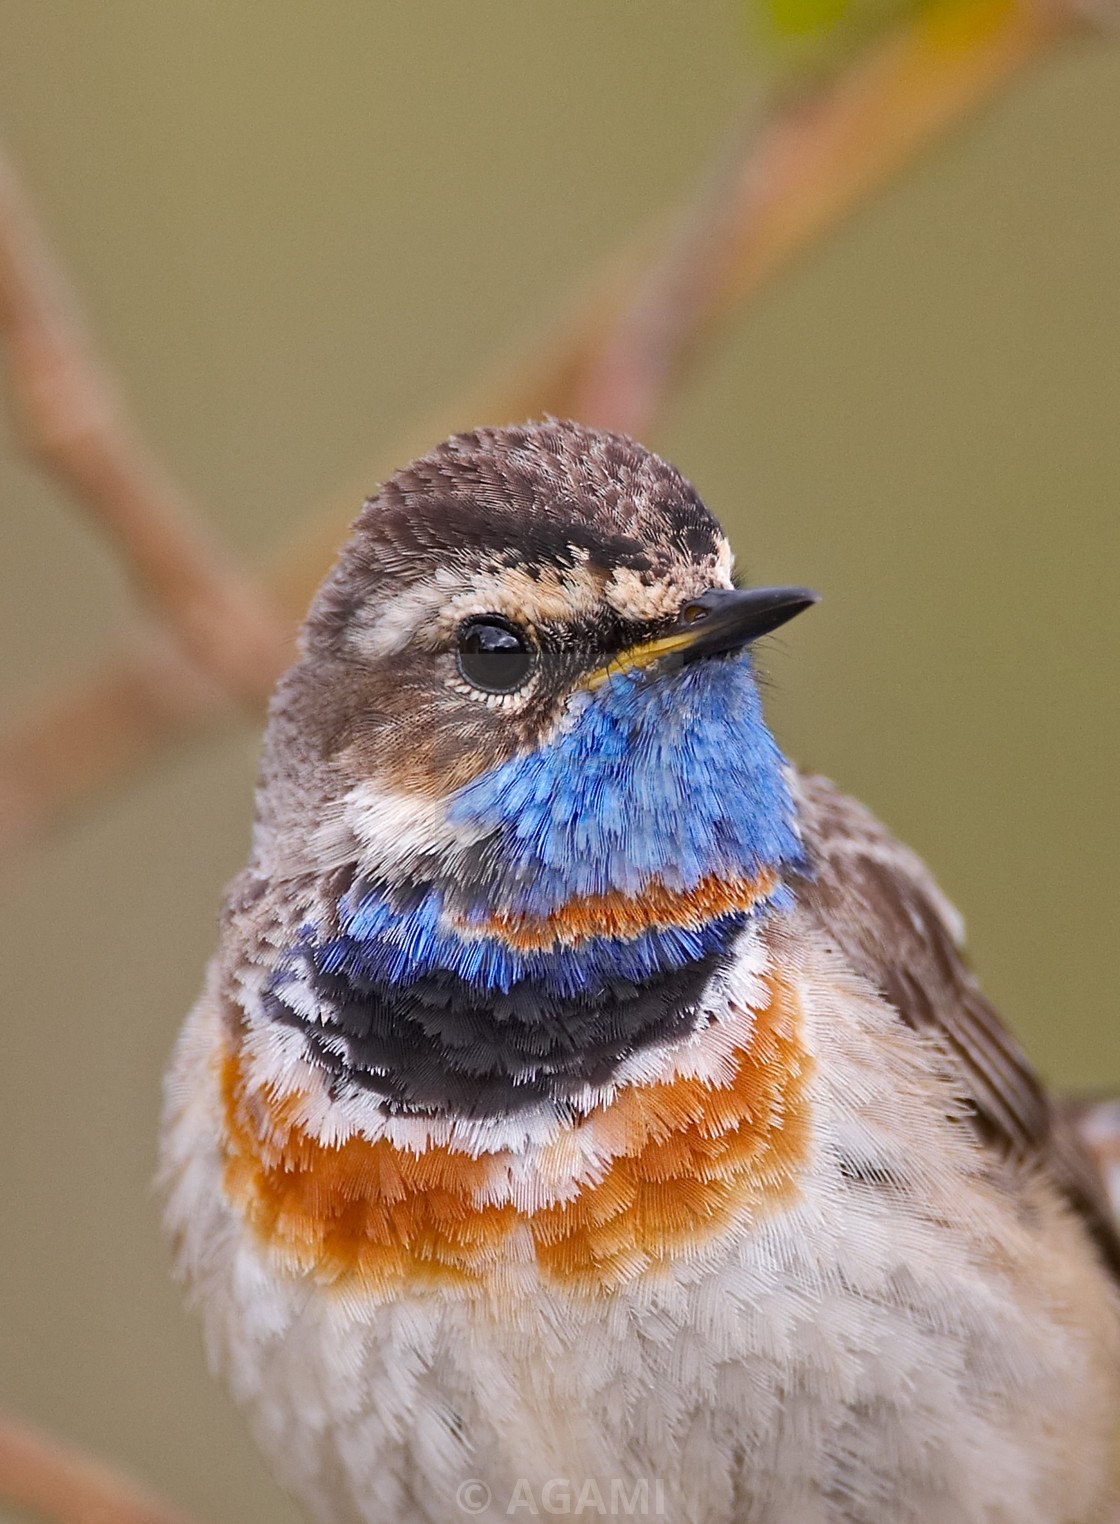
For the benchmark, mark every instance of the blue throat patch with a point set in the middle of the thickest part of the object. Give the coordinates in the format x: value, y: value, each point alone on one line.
x: 662, y: 778
x: 669, y: 778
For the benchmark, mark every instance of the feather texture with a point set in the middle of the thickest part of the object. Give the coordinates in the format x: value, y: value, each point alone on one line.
x: 879, y: 903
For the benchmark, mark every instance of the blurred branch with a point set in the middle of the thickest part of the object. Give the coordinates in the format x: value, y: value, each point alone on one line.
x: 53, y: 1483
x: 772, y: 195
x: 819, y: 157
x: 105, y: 727
x: 71, y: 420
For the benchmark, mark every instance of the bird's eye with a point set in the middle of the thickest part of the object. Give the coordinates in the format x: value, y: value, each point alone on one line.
x: 494, y: 655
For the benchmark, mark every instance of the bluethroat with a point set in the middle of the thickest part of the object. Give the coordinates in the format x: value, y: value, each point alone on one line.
x: 584, y: 1105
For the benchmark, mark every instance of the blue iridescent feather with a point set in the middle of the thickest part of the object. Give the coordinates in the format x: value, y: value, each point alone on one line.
x: 669, y: 778
x: 384, y: 946
x: 674, y: 778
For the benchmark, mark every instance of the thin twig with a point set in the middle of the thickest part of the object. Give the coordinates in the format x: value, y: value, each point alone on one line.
x: 819, y: 157
x: 59, y: 1485
x: 71, y: 420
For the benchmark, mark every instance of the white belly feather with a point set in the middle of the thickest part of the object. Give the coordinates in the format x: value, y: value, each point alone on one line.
x: 886, y: 1348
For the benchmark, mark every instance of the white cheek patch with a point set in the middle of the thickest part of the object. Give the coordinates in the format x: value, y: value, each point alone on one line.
x: 385, y: 831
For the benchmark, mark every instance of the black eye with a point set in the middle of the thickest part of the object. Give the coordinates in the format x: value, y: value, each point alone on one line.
x: 494, y: 654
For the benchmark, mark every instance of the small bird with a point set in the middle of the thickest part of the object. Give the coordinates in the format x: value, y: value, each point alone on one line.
x: 586, y: 1112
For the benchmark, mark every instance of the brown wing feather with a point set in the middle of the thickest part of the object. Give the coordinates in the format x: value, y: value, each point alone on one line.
x: 877, y: 901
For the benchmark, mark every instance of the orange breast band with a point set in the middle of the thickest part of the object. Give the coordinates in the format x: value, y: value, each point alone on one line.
x: 628, y: 915
x: 688, y: 1159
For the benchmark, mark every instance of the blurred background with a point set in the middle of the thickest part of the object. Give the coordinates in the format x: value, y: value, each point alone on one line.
x: 297, y: 231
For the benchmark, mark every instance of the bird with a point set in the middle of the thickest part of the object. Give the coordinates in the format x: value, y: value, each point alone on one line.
x: 587, y: 1112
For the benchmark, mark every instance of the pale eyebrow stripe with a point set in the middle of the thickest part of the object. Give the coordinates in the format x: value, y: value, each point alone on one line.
x: 549, y: 596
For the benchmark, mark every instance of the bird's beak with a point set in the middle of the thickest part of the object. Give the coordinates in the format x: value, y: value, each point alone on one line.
x: 721, y: 620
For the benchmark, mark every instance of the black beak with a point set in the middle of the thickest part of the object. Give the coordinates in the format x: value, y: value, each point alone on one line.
x: 720, y: 620
x: 726, y: 619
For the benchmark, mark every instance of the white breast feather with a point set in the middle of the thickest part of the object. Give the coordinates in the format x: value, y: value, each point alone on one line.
x: 876, y: 1353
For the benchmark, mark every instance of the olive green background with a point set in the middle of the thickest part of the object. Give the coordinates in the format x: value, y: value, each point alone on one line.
x: 298, y: 229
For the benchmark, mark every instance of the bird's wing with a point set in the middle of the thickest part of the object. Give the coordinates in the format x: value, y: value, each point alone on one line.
x: 878, y: 902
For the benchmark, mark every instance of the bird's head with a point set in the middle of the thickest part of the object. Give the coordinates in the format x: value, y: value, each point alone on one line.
x: 524, y: 745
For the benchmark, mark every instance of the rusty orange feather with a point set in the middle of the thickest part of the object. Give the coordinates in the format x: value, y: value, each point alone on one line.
x: 617, y: 914
x: 690, y: 1156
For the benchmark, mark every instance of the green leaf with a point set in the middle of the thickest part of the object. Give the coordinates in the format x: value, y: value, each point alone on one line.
x: 816, y: 30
